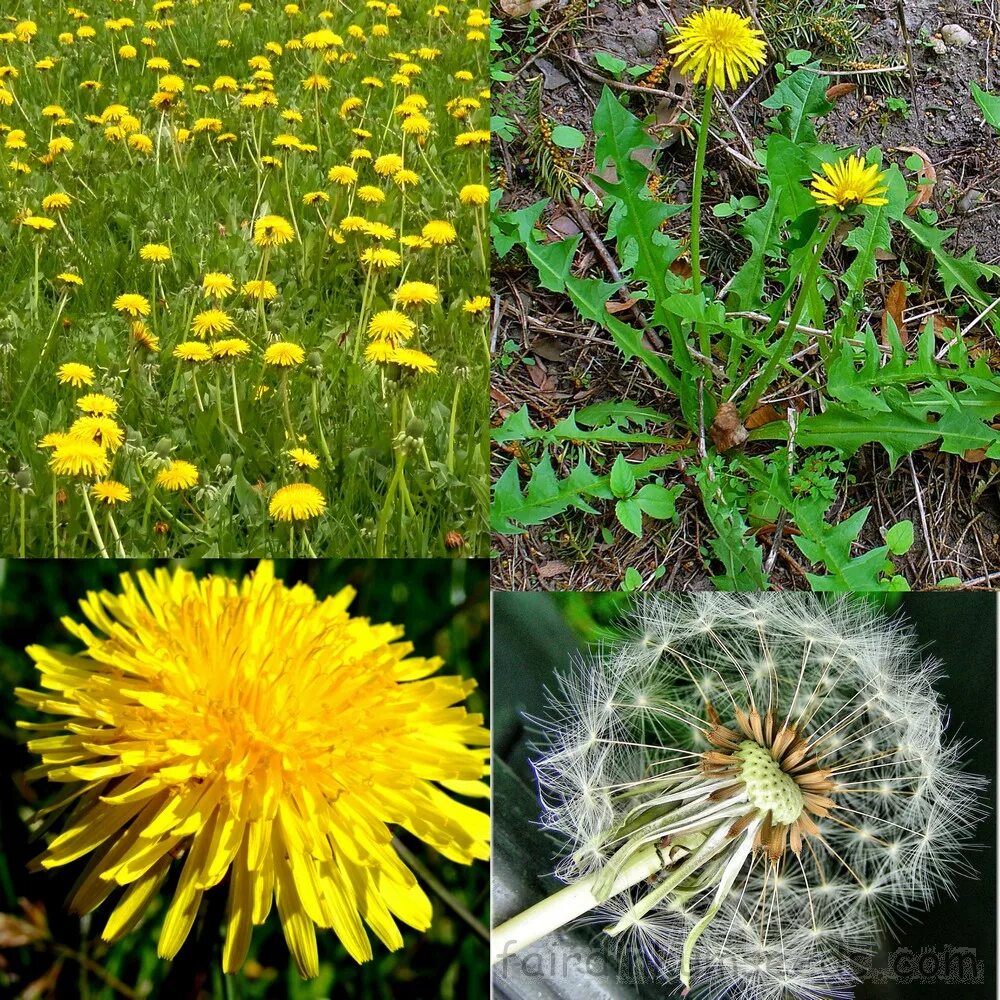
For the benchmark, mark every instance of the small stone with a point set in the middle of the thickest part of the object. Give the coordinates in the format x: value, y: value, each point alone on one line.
x: 970, y: 201
x: 552, y: 79
x: 646, y: 41
x: 956, y: 35
x: 938, y: 46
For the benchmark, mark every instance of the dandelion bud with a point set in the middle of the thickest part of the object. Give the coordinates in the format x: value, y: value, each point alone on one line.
x: 415, y: 428
x: 225, y: 461
x: 164, y: 446
x: 23, y: 480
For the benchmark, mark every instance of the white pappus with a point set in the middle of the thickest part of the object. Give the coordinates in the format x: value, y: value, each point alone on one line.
x: 750, y: 789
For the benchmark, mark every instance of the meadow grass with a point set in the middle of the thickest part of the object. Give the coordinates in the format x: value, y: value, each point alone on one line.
x: 189, y: 125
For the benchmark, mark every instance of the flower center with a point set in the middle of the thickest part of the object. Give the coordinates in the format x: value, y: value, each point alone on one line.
x: 769, y: 788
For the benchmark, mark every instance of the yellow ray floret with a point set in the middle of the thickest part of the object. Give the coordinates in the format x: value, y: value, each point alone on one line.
x: 253, y: 729
x: 719, y: 46
x: 849, y: 182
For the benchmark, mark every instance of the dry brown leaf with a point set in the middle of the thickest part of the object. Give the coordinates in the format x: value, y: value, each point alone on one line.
x: 926, y: 178
x: 840, y: 90
x: 727, y: 430
x: 895, y: 303
x: 550, y: 569
x: 541, y: 378
x: 681, y: 269
x: 765, y: 414
x: 547, y: 347
x: 617, y: 307
x: 973, y: 455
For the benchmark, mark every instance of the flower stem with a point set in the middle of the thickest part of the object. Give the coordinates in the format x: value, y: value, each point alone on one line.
x: 451, y: 426
x: 558, y: 909
x: 55, y: 519
x: 236, y: 400
x: 319, y: 425
x: 22, y: 524
x: 704, y: 341
x: 289, y: 427
x: 779, y: 350
x: 102, y: 548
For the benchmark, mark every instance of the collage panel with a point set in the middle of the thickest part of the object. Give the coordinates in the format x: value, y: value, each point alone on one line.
x: 759, y: 796
x: 746, y: 266
x: 245, y: 279
x: 232, y: 778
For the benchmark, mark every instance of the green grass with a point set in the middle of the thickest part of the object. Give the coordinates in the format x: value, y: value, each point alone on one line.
x: 402, y: 455
x: 444, y: 607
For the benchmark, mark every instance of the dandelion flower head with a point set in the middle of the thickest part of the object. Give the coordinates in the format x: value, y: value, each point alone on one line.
x: 849, y: 182
x: 254, y: 729
x: 719, y: 45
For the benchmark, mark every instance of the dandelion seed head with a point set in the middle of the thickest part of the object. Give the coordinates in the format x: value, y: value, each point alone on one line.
x: 794, y: 750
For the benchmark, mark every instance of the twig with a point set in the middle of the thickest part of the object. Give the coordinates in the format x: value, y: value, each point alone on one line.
x: 98, y: 970
x: 854, y: 72
x: 923, y: 515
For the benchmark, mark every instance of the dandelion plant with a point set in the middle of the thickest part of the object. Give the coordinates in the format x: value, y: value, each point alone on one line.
x: 748, y: 790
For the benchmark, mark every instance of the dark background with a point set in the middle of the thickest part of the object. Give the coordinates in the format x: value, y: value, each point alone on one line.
x: 444, y: 605
x: 536, y: 634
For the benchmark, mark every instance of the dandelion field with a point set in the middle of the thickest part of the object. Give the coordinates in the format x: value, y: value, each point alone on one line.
x: 245, y: 281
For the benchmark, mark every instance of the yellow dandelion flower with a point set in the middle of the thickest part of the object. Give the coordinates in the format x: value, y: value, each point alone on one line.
x: 315, y: 197
x: 405, y: 178
x: 439, y: 232
x: 101, y: 430
x: 178, y: 475
x: 75, y: 374
x: 38, y: 223
x: 231, y: 348
x: 468, y: 140
x: 408, y: 358
x: 379, y: 231
x: 264, y: 765
x: 342, y: 174
x: 97, y: 405
x: 392, y: 326
x: 110, y: 492
x: 193, y: 350
x: 56, y: 202
x: 53, y: 439
x: 68, y: 278
x: 474, y: 194
x: 848, y: 182
x: 303, y: 458
x: 262, y: 290
x: 284, y: 354
x: 296, y: 502
x: 132, y: 304
x: 272, y: 231
x: 416, y: 293
x: 371, y: 195
x: 477, y: 304
x: 79, y: 457
x: 211, y: 322
x: 388, y: 164
x: 381, y: 258
x: 155, y: 253
x: 216, y: 285
x: 719, y: 45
